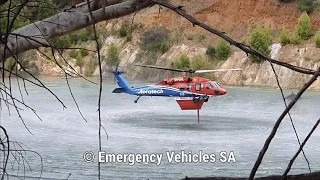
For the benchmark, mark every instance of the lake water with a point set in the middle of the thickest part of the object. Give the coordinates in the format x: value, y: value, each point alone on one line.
x: 238, y: 122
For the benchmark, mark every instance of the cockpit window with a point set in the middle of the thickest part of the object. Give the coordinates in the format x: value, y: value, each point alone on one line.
x: 215, y: 84
x: 209, y: 86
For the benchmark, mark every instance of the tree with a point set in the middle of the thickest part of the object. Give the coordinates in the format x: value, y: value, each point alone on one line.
x: 307, y: 5
x: 223, y: 50
x: 304, y: 29
x: 260, y: 40
x: 284, y: 37
x: 113, y: 55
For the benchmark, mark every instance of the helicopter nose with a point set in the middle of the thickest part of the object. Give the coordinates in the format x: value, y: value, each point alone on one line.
x: 220, y: 91
x: 223, y: 91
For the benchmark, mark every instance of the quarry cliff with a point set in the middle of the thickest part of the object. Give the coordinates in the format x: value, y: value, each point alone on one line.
x: 236, y: 18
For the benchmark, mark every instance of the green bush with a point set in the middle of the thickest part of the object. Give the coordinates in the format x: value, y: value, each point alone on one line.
x: 74, y: 54
x: 211, y: 52
x: 284, y: 37
x: 113, y: 55
x: 20, y: 21
x: 260, y: 40
x: 152, y: 38
x: 223, y: 50
x: 201, y: 38
x: 296, y: 39
x: 128, y: 37
x: 10, y: 63
x: 307, y: 6
x: 84, y: 52
x: 182, y: 62
x: 164, y: 46
x: 304, y: 29
x: 46, y: 9
x: 50, y: 55
x: 78, y: 55
x: 61, y: 42
x: 81, y: 36
x: 123, y: 30
x: 317, y: 40
x: 199, y: 63
x: 80, y: 62
x: 316, y: 5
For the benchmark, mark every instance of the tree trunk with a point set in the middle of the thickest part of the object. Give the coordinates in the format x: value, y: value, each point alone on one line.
x: 36, y: 35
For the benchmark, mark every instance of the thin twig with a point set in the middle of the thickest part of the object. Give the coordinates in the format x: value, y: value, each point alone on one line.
x: 100, y: 84
x: 299, y: 150
x: 278, y: 122
x: 291, y: 120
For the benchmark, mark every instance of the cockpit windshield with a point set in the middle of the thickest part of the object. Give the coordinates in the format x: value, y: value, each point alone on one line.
x: 212, y: 85
x: 215, y: 84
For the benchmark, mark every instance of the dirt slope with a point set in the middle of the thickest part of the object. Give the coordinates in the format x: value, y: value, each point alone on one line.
x: 235, y: 17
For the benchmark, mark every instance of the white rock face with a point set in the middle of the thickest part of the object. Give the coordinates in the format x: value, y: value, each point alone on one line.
x: 254, y: 74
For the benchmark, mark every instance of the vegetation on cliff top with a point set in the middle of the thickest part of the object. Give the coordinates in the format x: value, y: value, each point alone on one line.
x: 260, y: 40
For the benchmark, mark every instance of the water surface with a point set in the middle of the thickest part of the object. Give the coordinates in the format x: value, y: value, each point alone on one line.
x: 239, y: 122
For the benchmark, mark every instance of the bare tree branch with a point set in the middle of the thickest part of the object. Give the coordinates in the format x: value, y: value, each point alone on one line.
x: 100, y: 86
x: 64, y: 23
x: 299, y: 150
x: 278, y: 122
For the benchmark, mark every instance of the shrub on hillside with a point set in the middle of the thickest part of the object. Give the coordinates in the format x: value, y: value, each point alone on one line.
x: 113, y: 55
x: 201, y: 38
x: 80, y: 62
x: 46, y: 9
x: 152, y: 38
x: 260, y: 40
x: 182, y: 62
x: 200, y: 63
x: 223, y: 50
x: 296, y: 39
x: 164, y: 46
x: 84, y: 52
x: 61, y: 42
x: 284, y: 37
x: 81, y: 36
x: 317, y: 40
x: 304, y: 29
x: 10, y: 63
x: 211, y: 51
x: 74, y: 54
x: 123, y: 30
x: 307, y: 6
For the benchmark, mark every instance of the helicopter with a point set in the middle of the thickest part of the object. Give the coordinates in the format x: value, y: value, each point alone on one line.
x: 190, y: 92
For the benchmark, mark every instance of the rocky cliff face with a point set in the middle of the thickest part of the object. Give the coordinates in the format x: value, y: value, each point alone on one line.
x: 234, y: 17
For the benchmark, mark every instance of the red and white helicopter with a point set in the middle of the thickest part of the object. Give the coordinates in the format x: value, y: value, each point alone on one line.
x: 190, y: 92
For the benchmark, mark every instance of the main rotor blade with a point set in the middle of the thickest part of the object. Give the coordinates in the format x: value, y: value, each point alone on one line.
x: 217, y: 70
x: 164, y: 68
